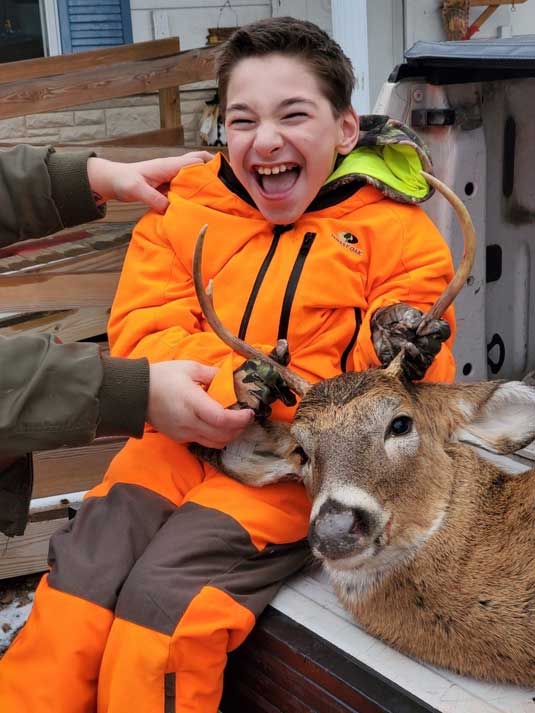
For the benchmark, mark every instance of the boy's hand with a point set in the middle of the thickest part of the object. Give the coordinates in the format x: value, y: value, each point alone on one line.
x: 138, y: 181
x: 258, y: 384
x: 395, y: 327
x: 181, y: 409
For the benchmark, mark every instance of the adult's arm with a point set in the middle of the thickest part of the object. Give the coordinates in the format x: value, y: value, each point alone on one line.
x: 42, y: 191
x: 54, y: 395
x: 66, y: 394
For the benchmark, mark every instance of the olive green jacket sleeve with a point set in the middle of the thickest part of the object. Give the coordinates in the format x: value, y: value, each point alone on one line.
x: 53, y: 394
x: 42, y: 191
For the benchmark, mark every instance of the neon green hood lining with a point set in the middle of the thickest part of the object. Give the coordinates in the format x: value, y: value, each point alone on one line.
x: 395, y: 165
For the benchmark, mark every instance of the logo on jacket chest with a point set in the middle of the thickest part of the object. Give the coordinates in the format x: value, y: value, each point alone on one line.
x: 347, y: 240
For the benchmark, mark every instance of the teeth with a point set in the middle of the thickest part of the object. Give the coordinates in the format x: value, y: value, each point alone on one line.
x: 266, y: 171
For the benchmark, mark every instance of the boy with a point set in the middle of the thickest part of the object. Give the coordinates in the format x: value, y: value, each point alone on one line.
x: 174, y: 561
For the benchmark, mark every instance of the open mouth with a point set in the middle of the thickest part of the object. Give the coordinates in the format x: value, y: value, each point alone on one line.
x: 353, y: 561
x: 275, y: 181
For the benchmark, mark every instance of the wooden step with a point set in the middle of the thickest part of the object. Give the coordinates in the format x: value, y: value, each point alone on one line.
x: 61, y: 478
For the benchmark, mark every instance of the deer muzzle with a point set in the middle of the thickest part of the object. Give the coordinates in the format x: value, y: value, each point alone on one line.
x: 338, y: 531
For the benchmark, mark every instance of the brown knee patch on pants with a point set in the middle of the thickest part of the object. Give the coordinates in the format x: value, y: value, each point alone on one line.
x: 93, y: 554
x: 196, y: 547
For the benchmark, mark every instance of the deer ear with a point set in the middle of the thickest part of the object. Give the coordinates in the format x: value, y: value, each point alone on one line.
x: 263, y: 454
x: 503, y: 423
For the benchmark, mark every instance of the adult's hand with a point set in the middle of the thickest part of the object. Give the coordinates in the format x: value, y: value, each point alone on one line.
x: 138, y: 181
x: 181, y: 409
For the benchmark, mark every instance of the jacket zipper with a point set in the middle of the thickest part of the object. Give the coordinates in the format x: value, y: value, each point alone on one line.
x: 349, y: 348
x: 278, y: 230
x: 293, y: 281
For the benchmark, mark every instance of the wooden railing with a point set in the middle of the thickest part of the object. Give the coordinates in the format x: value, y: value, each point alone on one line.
x: 49, y: 84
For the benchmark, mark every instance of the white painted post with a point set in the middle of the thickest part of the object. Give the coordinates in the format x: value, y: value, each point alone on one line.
x: 160, y: 24
x: 50, y: 24
x: 350, y: 30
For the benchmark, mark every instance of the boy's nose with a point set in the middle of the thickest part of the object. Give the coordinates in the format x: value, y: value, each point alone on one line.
x: 267, y: 140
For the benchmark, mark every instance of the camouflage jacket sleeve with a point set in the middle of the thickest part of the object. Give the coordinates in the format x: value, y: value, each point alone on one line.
x: 42, y: 191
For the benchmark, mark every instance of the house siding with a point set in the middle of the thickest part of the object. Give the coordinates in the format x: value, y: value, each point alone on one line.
x: 190, y: 19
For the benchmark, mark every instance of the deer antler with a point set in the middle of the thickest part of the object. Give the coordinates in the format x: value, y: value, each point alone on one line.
x: 294, y: 381
x: 462, y: 272
x: 465, y: 268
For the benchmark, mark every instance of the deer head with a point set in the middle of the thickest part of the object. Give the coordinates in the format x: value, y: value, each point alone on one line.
x: 381, y: 458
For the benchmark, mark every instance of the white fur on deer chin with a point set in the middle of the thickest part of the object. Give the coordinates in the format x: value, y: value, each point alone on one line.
x: 250, y: 455
x: 357, y: 576
x: 351, y: 583
x: 424, y: 537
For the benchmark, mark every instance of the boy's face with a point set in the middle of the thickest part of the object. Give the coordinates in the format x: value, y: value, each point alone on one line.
x: 282, y: 134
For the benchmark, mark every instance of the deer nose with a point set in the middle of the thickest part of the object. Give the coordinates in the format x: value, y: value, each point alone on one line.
x: 339, y: 531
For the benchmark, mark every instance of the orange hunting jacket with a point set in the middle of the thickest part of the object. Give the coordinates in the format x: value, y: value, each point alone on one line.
x: 316, y: 283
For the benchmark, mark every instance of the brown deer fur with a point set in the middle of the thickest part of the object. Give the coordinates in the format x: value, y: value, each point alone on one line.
x: 429, y: 545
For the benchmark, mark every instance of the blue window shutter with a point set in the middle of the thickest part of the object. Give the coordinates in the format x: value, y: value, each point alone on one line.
x: 92, y: 24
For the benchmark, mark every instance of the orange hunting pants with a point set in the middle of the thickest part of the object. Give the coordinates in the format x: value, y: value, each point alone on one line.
x: 158, y: 576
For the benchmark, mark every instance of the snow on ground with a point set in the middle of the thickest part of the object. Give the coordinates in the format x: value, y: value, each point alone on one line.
x: 11, y: 619
x: 16, y: 599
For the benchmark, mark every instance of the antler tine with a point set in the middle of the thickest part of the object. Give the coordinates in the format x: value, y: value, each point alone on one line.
x: 294, y: 381
x: 395, y: 368
x: 465, y: 268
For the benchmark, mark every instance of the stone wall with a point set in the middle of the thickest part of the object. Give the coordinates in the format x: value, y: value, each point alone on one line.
x: 107, y: 119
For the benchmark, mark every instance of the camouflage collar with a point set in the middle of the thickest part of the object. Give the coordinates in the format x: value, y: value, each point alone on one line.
x: 388, y: 156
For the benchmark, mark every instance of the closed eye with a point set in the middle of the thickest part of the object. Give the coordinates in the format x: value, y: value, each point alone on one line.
x: 296, y: 115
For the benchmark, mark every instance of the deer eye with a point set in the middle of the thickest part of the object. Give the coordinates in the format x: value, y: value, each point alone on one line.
x: 300, y: 453
x: 400, y: 425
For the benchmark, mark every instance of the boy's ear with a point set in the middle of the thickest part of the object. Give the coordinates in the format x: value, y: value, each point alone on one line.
x: 349, y: 131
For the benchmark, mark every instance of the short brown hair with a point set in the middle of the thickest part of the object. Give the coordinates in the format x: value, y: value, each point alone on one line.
x: 293, y: 38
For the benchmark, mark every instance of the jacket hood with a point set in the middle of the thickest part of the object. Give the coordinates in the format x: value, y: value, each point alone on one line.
x: 388, y: 156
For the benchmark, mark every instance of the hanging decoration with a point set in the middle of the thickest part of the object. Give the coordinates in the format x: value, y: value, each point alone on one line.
x: 212, y: 128
x: 455, y: 16
x: 219, y: 34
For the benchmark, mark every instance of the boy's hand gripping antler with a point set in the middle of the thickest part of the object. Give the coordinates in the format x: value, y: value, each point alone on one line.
x: 405, y: 338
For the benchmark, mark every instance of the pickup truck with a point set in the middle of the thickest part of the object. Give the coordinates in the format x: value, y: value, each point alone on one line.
x: 473, y: 104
